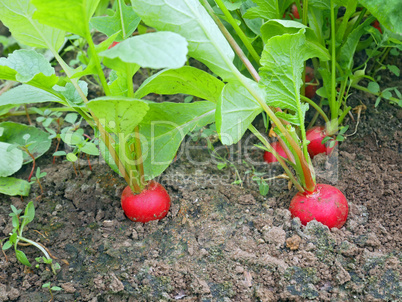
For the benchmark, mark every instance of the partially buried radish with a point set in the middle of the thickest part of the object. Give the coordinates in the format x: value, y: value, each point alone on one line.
x: 315, y: 135
x: 376, y: 24
x: 152, y: 203
x: 269, y: 157
x: 310, y: 90
x: 326, y: 205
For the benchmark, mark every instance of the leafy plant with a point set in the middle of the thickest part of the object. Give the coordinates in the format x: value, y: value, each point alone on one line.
x: 19, y: 223
x: 19, y: 145
x: 74, y: 137
x: 37, y: 177
x: 51, y: 289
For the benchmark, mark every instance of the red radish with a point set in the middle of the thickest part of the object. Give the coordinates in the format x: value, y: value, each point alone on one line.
x: 295, y: 12
x: 310, y: 90
x: 315, y: 135
x: 326, y: 205
x: 152, y: 203
x: 376, y: 24
x: 113, y: 45
x: 269, y: 157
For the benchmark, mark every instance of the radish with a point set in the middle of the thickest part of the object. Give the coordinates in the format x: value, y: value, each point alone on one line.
x: 315, y: 135
x: 152, y: 203
x: 326, y: 205
x: 376, y: 24
x: 295, y: 12
x: 310, y: 90
x: 269, y: 157
x: 113, y: 45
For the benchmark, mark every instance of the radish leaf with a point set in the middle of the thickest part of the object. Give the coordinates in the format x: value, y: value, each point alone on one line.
x: 29, y: 67
x: 119, y: 114
x: 124, y: 22
x: 163, y: 129
x: 266, y: 9
x: 38, y: 140
x: 10, y: 160
x: 17, y: 16
x: 387, y: 12
x: 186, y: 80
x: 189, y: 19
x: 25, y: 94
x: 153, y: 50
x: 68, y: 15
x: 235, y: 111
x: 282, y: 64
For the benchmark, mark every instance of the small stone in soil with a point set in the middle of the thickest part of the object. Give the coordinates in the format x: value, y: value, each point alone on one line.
x: 293, y: 242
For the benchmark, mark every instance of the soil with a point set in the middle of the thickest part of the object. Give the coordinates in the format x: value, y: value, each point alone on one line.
x: 220, y: 241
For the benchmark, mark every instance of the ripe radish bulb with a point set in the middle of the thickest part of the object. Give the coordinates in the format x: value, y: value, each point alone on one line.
x: 152, y: 203
x: 326, y: 204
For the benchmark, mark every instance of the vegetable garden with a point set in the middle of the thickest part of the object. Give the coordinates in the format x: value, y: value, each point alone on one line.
x: 200, y: 150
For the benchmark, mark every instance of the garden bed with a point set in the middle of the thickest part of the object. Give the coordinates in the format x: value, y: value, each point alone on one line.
x: 219, y: 242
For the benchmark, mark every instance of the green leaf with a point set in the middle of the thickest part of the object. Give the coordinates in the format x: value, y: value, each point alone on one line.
x: 189, y: 19
x: 13, y: 237
x: 377, y: 101
x: 56, y: 288
x: 163, y: 129
x: 10, y: 161
x: 119, y: 81
x: 46, y: 285
x: 152, y: 50
x: 59, y: 153
x: 17, y: 16
x: 14, y: 132
x: 118, y: 114
x: 7, y: 245
x: 71, y: 94
x: 235, y: 111
x: 14, y: 210
x: 386, y: 94
x: 22, y: 258
x: 394, y: 69
x: 90, y: 148
x: 313, y: 47
x: 282, y: 65
x: 263, y: 188
x: 71, y: 118
x: 71, y: 157
x: 186, y: 80
x: 266, y: 9
x: 26, y: 94
x: 387, y: 12
x: 232, y: 4
x: 348, y: 49
x: 29, y: 213
x: 29, y: 67
x: 373, y: 87
x: 15, y: 222
x: 5, y: 109
x: 68, y: 15
x: 124, y: 22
